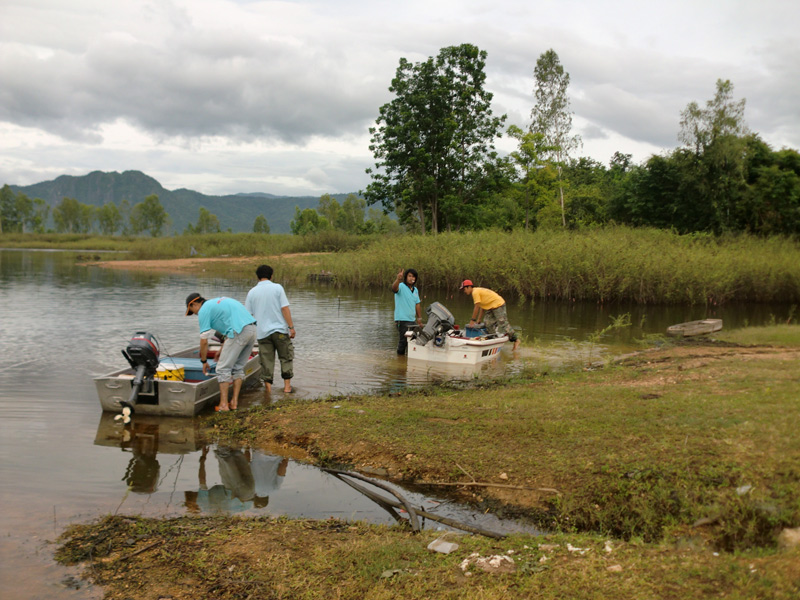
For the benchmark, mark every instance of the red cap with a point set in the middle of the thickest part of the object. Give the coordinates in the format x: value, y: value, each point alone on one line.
x: 465, y: 283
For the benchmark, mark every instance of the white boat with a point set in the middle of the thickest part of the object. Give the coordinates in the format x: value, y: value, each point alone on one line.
x: 440, y: 342
x: 171, y: 385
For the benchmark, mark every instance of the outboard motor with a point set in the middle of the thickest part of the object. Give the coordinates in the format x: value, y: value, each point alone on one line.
x: 440, y: 321
x: 142, y: 354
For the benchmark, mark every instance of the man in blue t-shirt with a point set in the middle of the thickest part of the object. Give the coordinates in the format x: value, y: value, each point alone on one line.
x: 407, y: 311
x: 267, y: 302
x: 230, y: 318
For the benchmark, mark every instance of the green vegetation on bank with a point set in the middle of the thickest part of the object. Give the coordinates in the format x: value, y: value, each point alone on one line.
x: 670, y: 474
x: 662, y: 441
x: 136, y: 558
x: 604, y: 264
x: 204, y: 245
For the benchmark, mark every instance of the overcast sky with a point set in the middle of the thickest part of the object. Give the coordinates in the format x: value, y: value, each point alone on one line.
x: 227, y: 96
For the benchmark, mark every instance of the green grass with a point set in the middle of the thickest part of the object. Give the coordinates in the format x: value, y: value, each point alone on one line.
x: 773, y: 335
x: 674, y: 470
x: 230, y: 558
x: 635, y: 450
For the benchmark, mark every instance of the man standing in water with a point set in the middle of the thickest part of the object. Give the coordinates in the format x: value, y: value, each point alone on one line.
x: 230, y: 318
x: 490, y: 307
x: 267, y: 302
x: 406, y: 306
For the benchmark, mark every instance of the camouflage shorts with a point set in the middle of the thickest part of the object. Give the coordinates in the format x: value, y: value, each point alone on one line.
x: 496, y: 320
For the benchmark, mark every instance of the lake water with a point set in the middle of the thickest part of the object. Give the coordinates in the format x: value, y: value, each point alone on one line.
x: 62, y: 461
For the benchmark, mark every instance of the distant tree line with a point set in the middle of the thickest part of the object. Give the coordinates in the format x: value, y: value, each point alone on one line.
x: 19, y: 214
x: 351, y: 216
x: 437, y: 169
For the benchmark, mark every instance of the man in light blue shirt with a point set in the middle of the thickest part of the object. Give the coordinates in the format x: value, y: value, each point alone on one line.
x: 406, y: 306
x: 267, y: 302
x: 230, y: 318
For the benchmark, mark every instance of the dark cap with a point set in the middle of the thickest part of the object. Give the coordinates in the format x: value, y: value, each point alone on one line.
x: 191, y: 298
x: 466, y: 283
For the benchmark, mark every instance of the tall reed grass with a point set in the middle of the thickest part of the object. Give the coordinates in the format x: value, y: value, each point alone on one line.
x: 606, y: 265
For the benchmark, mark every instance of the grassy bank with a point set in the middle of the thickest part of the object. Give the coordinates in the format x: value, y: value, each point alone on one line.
x: 229, y: 558
x: 684, y: 459
x: 634, y: 450
x: 209, y: 245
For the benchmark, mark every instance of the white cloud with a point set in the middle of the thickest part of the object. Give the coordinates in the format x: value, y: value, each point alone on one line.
x: 277, y: 96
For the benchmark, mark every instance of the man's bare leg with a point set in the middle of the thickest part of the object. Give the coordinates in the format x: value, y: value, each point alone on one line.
x: 223, y: 395
x: 287, y: 386
x: 237, y: 386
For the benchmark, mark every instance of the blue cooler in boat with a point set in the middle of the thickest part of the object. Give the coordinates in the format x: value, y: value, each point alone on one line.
x: 473, y: 332
x: 193, y: 368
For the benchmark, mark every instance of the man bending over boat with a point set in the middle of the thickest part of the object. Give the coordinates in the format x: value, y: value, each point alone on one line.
x: 406, y: 306
x: 230, y: 318
x: 267, y: 302
x: 490, y: 307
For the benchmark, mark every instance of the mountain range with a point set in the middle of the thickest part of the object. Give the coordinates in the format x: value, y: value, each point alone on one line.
x: 236, y: 212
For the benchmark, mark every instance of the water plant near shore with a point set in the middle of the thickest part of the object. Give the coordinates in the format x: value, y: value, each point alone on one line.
x: 605, y: 265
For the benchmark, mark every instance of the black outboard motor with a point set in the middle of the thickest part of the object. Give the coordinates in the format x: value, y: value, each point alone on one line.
x: 440, y: 320
x: 142, y: 354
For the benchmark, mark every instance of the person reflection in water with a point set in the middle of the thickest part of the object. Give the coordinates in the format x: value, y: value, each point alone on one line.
x: 248, y: 477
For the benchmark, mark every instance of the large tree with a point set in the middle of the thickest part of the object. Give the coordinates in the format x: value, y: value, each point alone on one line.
x: 717, y: 136
x: 434, y: 143
x: 533, y: 177
x: 150, y: 216
x: 551, y: 115
x: 207, y: 222
x: 260, y: 225
x: 71, y: 216
x: 109, y: 219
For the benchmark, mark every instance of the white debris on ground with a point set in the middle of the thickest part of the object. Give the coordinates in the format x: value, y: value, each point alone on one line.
x: 572, y: 548
x: 443, y: 546
x: 498, y: 563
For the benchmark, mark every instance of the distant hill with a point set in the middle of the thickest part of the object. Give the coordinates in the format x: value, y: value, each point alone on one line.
x: 236, y: 211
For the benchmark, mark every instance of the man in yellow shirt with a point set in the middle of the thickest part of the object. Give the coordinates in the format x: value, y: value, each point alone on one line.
x: 490, y: 307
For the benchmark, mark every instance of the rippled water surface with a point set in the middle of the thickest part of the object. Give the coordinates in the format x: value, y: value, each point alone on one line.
x: 63, y: 461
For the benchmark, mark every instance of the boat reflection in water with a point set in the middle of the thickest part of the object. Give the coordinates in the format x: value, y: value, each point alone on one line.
x: 248, y: 476
x: 145, y: 437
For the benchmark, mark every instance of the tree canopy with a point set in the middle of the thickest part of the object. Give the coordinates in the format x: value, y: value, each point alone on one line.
x: 434, y: 143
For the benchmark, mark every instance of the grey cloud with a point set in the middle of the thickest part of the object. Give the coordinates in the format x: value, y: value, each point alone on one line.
x: 242, y: 88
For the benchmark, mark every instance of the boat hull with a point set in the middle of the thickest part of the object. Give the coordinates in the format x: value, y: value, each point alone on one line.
x: 701, y: 327
x: 456, y: 350
x: 164, y: 397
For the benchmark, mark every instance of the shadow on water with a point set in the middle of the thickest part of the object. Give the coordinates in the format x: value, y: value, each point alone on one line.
x: 231, y: 480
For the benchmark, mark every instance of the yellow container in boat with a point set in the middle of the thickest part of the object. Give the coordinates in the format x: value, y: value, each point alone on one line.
x: 170, y: 372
